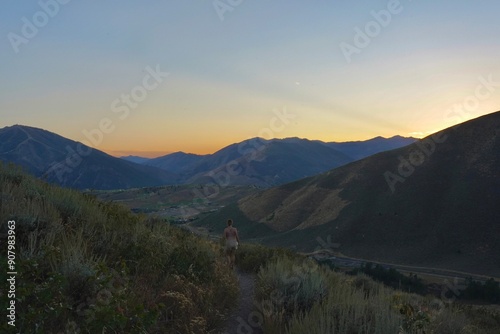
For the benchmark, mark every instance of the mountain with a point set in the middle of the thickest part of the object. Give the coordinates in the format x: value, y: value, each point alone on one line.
x: 178, y: 162
x: 362, y: 149
x: 136, y: 159
x: 256, y: 161
x: 72, y: 164
x: 267, y: 163
x: 432, y: 203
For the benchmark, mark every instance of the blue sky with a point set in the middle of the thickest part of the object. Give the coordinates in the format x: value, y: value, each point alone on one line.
x: 228, y: 77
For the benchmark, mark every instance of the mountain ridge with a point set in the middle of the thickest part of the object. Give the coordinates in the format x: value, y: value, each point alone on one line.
x: 442, y: 211
x: 303, y: 157
x: 256, y: 161
x: 73, y: 164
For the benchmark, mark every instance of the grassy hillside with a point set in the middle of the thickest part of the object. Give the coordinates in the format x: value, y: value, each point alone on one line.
x: 317, y: 300
x: 294, y: 294
x: 85, y: 266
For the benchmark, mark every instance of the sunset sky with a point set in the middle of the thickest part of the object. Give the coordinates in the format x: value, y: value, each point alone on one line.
x: 340, y: 70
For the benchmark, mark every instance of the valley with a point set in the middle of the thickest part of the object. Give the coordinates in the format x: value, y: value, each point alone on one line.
x: 443, y: 215
x: 176, y: 203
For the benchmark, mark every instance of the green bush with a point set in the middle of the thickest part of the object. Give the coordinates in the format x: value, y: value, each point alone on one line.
x: 391, y: 277
x: 287, y: 287
x: 191, y: 258
x: 298, y: 296
x: 488, y: 291
x: 251, y: 257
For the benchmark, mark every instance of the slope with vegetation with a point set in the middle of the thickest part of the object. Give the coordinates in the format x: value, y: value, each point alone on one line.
x: 93, y: 267
x: 297, y: 295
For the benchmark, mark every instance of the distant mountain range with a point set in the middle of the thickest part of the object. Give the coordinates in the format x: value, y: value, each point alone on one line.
x: 432, y: 203
x: 362, y: 149
x: 256, y: 161
x: 179, y: 162
x: 72, y: 164
x: 272, y: 162
x: 135, y: 159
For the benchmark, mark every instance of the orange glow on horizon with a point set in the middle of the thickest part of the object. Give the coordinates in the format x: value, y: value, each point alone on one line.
x: 143, y: 154
x: 210, y: 148
x: 197, y: 145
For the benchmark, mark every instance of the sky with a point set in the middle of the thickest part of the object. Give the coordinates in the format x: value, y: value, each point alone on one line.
x: 153, y: 77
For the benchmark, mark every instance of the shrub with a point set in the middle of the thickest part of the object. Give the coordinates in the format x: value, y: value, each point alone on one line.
x: 251, y: 257
x: 300, y: 296
x: 488, y: 291
x: 285, y: 287
x: 391, y: 277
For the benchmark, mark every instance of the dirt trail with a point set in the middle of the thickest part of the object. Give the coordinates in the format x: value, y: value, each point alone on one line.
x: 245, y: 320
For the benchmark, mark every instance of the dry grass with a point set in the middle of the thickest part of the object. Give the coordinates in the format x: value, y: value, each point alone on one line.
x: 302, y: 208
x: 297, y: 296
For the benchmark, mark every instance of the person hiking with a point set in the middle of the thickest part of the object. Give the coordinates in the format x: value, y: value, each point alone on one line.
x: 232, y: 241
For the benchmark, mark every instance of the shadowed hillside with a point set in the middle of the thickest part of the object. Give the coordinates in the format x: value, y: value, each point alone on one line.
x: 72, y: 164
x: 434, y: 202
x: 268, y: 162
